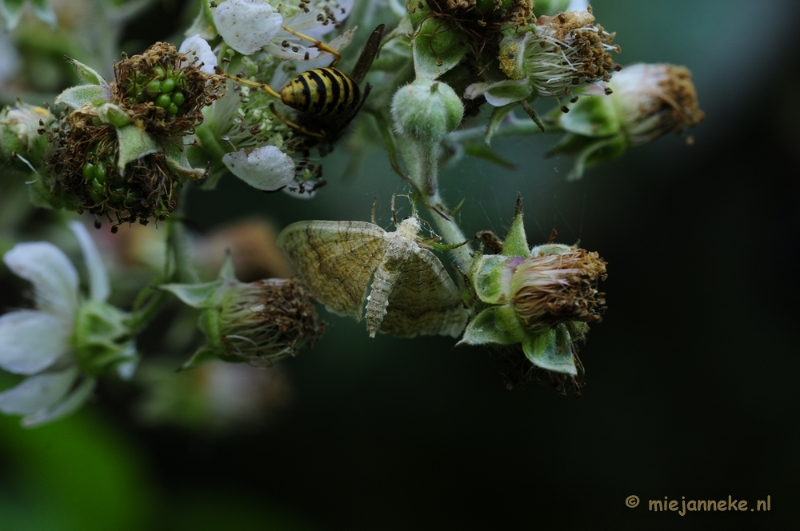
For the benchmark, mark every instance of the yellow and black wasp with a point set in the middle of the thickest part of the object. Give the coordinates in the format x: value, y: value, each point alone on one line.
x: 327, y: 99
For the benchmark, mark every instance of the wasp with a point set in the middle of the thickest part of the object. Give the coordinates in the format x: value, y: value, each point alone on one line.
x: 326, y: 98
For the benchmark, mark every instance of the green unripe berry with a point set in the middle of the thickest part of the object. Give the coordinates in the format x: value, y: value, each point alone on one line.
x: 168, y: 85
x: 100, y: 172
x: 154, y: 88
x: 88, y: 171
x: 163, y: 101
x: 178, y: 98
x: 160, y: 72
x: 97, y: 186
x: 172, y: 109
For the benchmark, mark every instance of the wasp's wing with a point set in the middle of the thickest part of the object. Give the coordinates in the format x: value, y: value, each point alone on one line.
x: 335, y: 259
x: 424, y: 300
x: 367, y: 55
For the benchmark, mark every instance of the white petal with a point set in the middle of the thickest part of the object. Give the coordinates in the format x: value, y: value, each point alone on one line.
x: 310, y: 24
x: 199, y: 53
x: 30, y: 341
x: 37, y: 392
x: 54, y: 278
x: 266, y: 168
x: 247, y: 25
x: 72, y: 402
x: 99, y: 287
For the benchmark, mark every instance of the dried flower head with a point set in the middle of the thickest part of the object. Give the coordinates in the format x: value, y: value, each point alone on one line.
x: 560, y: 54
x: 655, y: 99
x: 119, y: 153
x: 267, y: 320
x: 258, y: 322
x: 536, y: 303
x: 558, y: 287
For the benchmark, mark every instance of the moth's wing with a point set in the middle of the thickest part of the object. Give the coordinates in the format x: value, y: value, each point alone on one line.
x: 424, y: 300
x: 335, y: 259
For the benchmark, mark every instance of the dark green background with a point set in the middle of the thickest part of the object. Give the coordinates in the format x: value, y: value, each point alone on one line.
x: 691, y: 376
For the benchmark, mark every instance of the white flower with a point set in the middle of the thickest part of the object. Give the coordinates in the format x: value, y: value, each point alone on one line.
x: 248, y: 26
x: 266, y: 168
x: 197, y: 50
x: 313, y: 19
x: 44, y: 343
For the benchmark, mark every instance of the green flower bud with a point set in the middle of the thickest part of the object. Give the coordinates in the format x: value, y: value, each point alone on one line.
x: 426, y: 110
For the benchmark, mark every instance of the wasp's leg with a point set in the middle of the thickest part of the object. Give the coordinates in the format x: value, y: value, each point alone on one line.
x: 306, y: 131
x: 263, y: 86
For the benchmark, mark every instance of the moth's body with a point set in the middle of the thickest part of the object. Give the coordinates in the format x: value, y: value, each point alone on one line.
x: 400, y: 245
x: 411, y: 293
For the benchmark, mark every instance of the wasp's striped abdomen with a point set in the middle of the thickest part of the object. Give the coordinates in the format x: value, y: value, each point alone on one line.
x: 321, y: 92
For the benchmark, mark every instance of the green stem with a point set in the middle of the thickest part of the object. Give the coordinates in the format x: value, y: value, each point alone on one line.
x: 177, y: 268
x: 514, y: 127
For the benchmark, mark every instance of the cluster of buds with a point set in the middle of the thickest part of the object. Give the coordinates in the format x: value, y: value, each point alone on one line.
x: 119, y: 151
x: 541, y: 299
x: 258, y: 322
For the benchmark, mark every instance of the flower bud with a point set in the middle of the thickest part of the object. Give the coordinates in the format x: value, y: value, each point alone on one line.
x: 426, y: 110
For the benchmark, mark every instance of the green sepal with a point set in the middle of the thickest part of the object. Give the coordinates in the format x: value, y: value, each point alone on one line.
x: 417, y: 12
x: 202, y: 355
x: 134, y: 143
x: 593, y: 116
x: 551, y: 350
x: 516, y: 243
x: 178, y: 163
x: 202, y: 295
x: 75, y: 97
x: 500, y: 93
x: 511, y: 53
x: 438, y: 47
x: 497, y: 117
x: 497, y: 325
x: 589, y: 151
x: 101, y: 338
x: 86, y: 74
x: 114, y: 115
x: 491, y: 278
